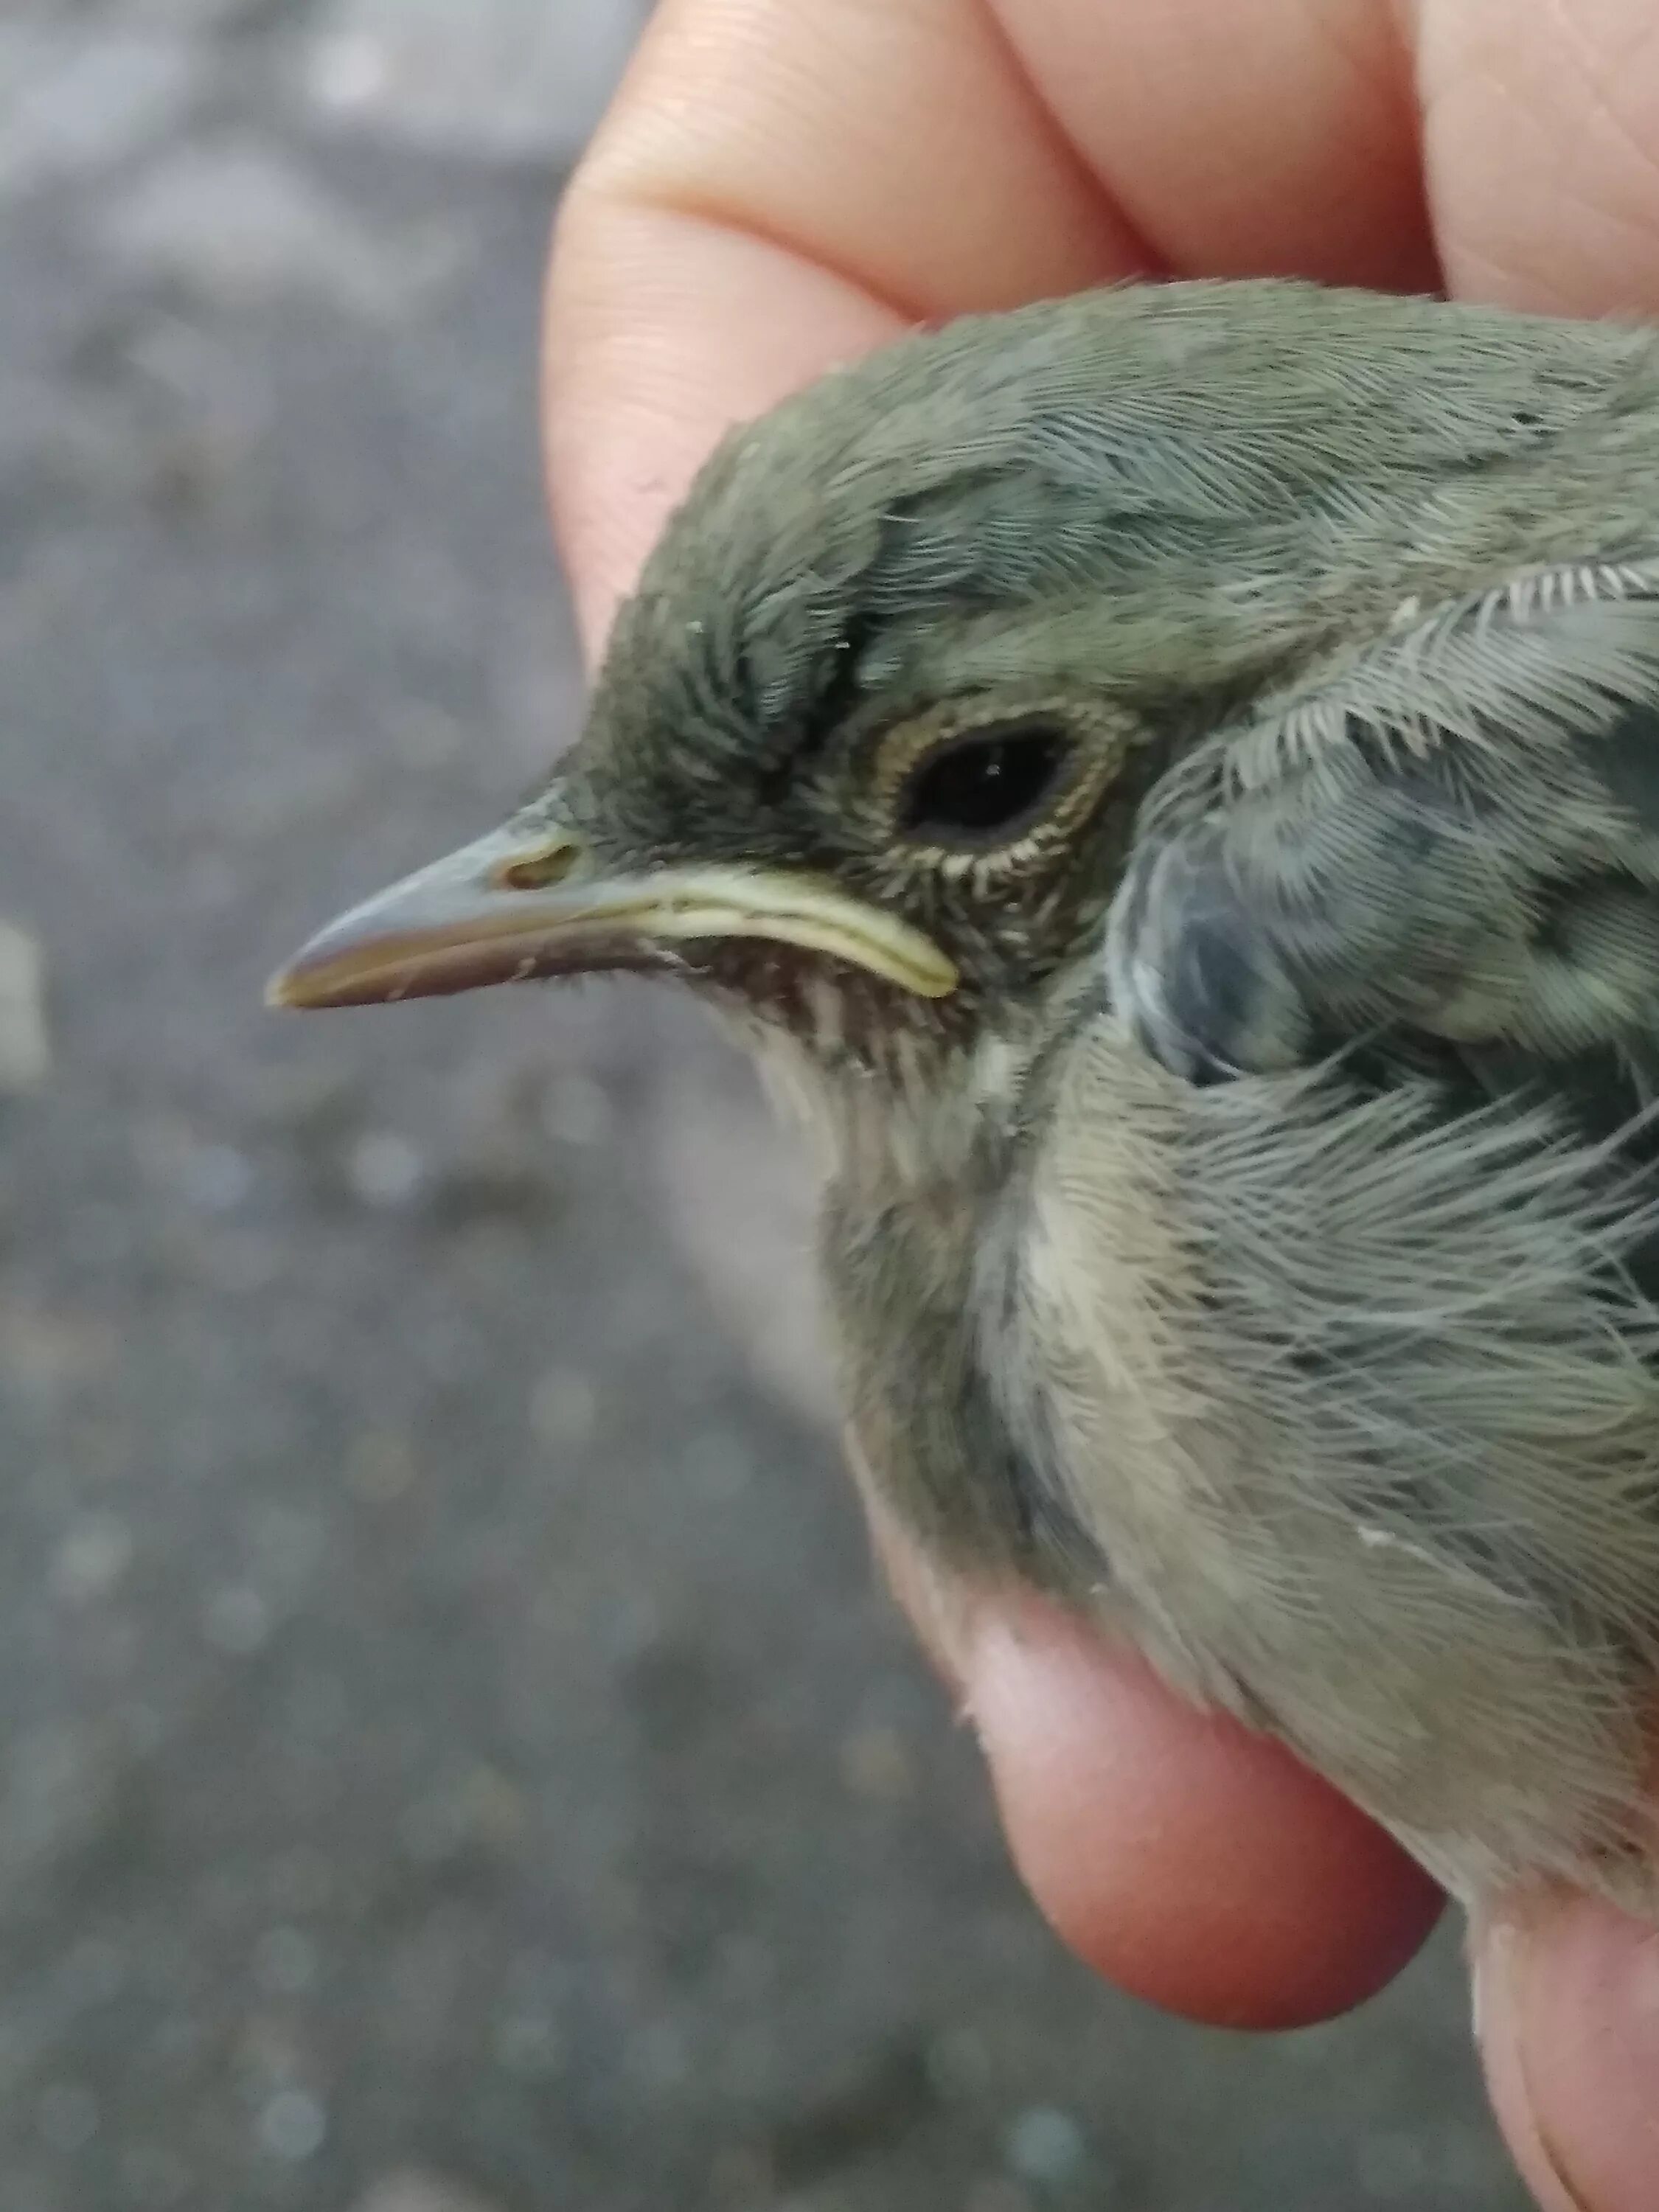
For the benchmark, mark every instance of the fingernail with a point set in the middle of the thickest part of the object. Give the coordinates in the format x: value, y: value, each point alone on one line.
x: 1567, y: 2008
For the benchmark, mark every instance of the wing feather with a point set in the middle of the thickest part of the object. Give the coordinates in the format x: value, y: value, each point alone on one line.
x: 1452, y: 834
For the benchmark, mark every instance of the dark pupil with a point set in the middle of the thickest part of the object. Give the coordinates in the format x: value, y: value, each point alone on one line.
x: 983, y: 786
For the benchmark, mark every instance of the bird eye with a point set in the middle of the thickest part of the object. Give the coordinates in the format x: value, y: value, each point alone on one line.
x: 985, y: 787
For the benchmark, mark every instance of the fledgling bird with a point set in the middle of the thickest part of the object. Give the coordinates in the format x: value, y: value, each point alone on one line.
x: 1170, y: 778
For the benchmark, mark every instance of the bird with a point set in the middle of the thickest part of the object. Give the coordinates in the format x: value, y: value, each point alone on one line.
x: 1166, y: 781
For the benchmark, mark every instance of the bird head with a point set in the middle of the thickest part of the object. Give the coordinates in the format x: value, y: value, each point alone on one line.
x: 867, y: 748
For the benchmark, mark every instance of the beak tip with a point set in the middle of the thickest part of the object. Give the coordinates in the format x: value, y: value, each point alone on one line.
x: 302, y: 982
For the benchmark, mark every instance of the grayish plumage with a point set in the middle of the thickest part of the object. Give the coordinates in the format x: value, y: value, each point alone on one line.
x: 1170, y: 779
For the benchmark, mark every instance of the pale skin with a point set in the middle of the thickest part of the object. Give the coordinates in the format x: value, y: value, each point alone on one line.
x: 778, y: 187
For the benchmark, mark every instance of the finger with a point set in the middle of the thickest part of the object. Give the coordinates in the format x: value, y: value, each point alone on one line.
x: 1259, y: 138
x: 665, y: 330
x: 1568, y: 2020
x: 1183, y: 1856
x: 891, y: 140
x: 1542, y: 146
x: 779, y: 188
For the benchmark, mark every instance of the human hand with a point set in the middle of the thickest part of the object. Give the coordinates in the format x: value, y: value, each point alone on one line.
x: 781, y: 187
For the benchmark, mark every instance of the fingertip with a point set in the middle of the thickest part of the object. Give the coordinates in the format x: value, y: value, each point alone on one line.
x: 1569, y: 2032
x: 1183, y: 1856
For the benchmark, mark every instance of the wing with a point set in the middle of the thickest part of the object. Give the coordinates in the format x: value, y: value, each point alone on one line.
x: 1447, y: 843
x: 1414, y: 906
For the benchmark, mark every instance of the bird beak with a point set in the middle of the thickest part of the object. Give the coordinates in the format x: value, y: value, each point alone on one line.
x: 527, y: 901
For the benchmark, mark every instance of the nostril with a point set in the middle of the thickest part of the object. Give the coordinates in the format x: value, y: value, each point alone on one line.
x: 539, y: 867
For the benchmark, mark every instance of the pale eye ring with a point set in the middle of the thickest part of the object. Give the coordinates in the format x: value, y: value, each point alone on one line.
x: 987, y: 787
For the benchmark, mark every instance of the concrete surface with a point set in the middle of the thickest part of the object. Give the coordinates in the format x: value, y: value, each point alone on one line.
x: 454, y: 1760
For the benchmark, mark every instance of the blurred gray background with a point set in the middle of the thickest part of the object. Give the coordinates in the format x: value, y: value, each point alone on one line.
x: 454, y: 1758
